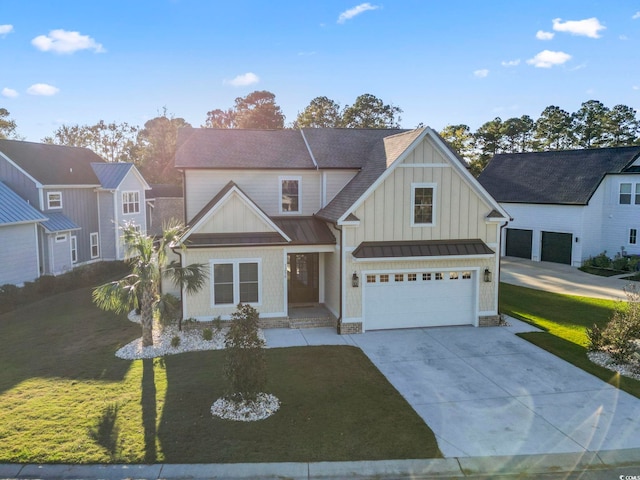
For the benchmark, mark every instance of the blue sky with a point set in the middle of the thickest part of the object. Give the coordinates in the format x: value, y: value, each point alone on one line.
x: 78, y: 62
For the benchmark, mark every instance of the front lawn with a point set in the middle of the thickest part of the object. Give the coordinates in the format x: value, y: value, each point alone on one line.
x: 65, y: 397
x: 565, y: 319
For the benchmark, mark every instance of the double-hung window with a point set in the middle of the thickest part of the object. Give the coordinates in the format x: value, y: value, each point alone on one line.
x: 95, y: 245
x: 130, y: 202
x: 236, y: 281
x: 290, y: 194
x: 633, y: 236
x: 625, y: 194
x: 54, y: 200
x: 422, y: 204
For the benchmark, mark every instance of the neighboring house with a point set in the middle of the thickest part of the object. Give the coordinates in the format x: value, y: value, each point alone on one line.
x: 19, y: 238
x: 569, y: 205
x: 165, y: 205
x: 83, y: 198
x: 385, y: 228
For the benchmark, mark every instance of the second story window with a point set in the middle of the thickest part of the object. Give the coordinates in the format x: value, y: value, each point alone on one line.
x: 422, y: 202
x: 130, y: 202
x: 54, y: 200
x: 290, y: 194
x: 625, y: 194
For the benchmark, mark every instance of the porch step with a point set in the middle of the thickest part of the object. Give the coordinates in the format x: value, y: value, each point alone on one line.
x: 313, y: 322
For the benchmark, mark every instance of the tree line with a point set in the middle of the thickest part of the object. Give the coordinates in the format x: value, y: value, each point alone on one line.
x: 593, y: 125
x: 152, y: 147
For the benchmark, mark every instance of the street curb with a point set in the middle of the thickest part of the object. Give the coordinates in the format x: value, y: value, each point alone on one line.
x: 454, y: 467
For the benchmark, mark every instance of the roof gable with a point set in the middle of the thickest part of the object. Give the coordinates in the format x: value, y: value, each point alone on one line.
x: 112, y: 174
x: 556, y: 177
x: 15, y: 210
x: 251, y: 217
x: 52, y: 164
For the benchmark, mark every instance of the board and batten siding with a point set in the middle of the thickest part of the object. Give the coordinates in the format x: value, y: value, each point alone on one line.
x: 459, y: 212
x: 19, y: 254
x: 272, y: 281
x: 19, y: 182
x: 81, y: 206
x: 235, y: 216
x: 332, y: 275
x: 108, y: 227
x: 261, y: 186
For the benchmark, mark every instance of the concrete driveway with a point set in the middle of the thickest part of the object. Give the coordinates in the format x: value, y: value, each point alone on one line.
x: 487, y: 392
x: 558, y: 278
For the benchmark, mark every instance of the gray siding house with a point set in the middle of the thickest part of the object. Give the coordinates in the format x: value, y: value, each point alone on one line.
x: 66, y: 186
x: 18, y: 237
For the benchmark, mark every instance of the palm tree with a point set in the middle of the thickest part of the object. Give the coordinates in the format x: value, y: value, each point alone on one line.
x: 149, y: 263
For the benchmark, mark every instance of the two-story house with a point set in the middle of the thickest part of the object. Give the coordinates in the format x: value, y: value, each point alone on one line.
x: 568, y: 205
x: 83, y: 199
x: 385, y: 228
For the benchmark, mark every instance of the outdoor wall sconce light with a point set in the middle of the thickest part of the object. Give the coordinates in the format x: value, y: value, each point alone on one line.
x: 487, y: 275
x: 355, y: 281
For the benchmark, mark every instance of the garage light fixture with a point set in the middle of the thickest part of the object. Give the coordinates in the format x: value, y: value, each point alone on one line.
x: 487, y: 275
x: 355, y: 281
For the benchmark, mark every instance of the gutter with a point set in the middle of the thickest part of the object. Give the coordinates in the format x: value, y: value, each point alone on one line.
x: 339, y: 322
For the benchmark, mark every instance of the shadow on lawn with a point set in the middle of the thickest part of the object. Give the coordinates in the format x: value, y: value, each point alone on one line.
x: 335, y: 406
x: 64, y: 336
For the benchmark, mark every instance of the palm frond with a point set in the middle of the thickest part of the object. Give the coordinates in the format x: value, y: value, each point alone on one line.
x: 192, y: 277
x: 119, y: 296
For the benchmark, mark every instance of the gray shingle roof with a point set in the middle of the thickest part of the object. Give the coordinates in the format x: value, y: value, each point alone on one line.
x: 59, y: 222
x: 111, y: 175
x: 558, y: 177
x: 15, y: 210
x: 53, y: 164
x: 240, y: 148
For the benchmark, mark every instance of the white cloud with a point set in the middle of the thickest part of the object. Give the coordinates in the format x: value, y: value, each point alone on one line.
x: 482, y: 73
x: 542, y: 35
x: 589, y: 27
x: 548, y: 58
x: 243, y: 80
x: 357, y: 10
x: 636, y: 15
x: 5, y: 29
x: 9, y: 92
x: 636, y: 87
x: 510, y: 63
x: 61, y: 41
x: 42, y: 89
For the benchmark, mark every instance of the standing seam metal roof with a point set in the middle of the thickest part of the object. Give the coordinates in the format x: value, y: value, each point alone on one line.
x: 14, y: 209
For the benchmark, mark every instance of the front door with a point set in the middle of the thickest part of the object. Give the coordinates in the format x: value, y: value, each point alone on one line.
x: 302, y: 277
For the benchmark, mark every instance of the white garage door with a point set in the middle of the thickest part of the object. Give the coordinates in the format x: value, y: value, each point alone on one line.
x: 420, y: 299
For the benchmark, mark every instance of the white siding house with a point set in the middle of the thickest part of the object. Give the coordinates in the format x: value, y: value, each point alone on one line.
x: 567, y: 206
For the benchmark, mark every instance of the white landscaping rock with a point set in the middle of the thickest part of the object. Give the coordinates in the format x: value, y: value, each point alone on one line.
x: 246, y: 411
x: 604, y: 360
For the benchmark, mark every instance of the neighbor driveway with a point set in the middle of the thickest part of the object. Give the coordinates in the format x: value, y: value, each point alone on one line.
x: 487, y: 392
x: 559, y: 278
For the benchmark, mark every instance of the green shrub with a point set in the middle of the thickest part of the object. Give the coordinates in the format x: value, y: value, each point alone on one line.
x: 594, y: 334
x: 46, y: 284
x: 175, y: 341
x: 620, y: 263
x: 619, y: 334
x: 207, y: 334
x: 217, y: 324
x: 245, y: 363
x: 600, y: 261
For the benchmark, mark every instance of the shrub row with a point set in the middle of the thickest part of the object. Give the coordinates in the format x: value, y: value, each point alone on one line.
x: 624, y: 263
x: 93, y: 274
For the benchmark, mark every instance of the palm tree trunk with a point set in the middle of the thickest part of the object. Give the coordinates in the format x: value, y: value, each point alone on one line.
x: 146, y: 317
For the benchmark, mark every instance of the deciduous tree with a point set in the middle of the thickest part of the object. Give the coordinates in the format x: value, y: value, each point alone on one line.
x: 322, y: 112
x: 368, y: 111
x: 7, y: 126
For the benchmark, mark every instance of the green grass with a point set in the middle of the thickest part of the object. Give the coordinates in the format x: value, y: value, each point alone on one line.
x: 65, y: 397
x: 564, y: 319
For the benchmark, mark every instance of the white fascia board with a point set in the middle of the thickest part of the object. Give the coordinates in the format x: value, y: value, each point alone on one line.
x: 310, y: 248
x: 480, y: 190
x: 22, y: 170
x: 137, y: 173
x: 383, y: 177
x: 350, y: 223
x: 247, y: 201
x: 71, y: 186
x: 419, y: 259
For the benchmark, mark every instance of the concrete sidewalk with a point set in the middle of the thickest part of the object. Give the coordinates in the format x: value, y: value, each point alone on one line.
x: 559, y: 278
x: 531, y: 466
